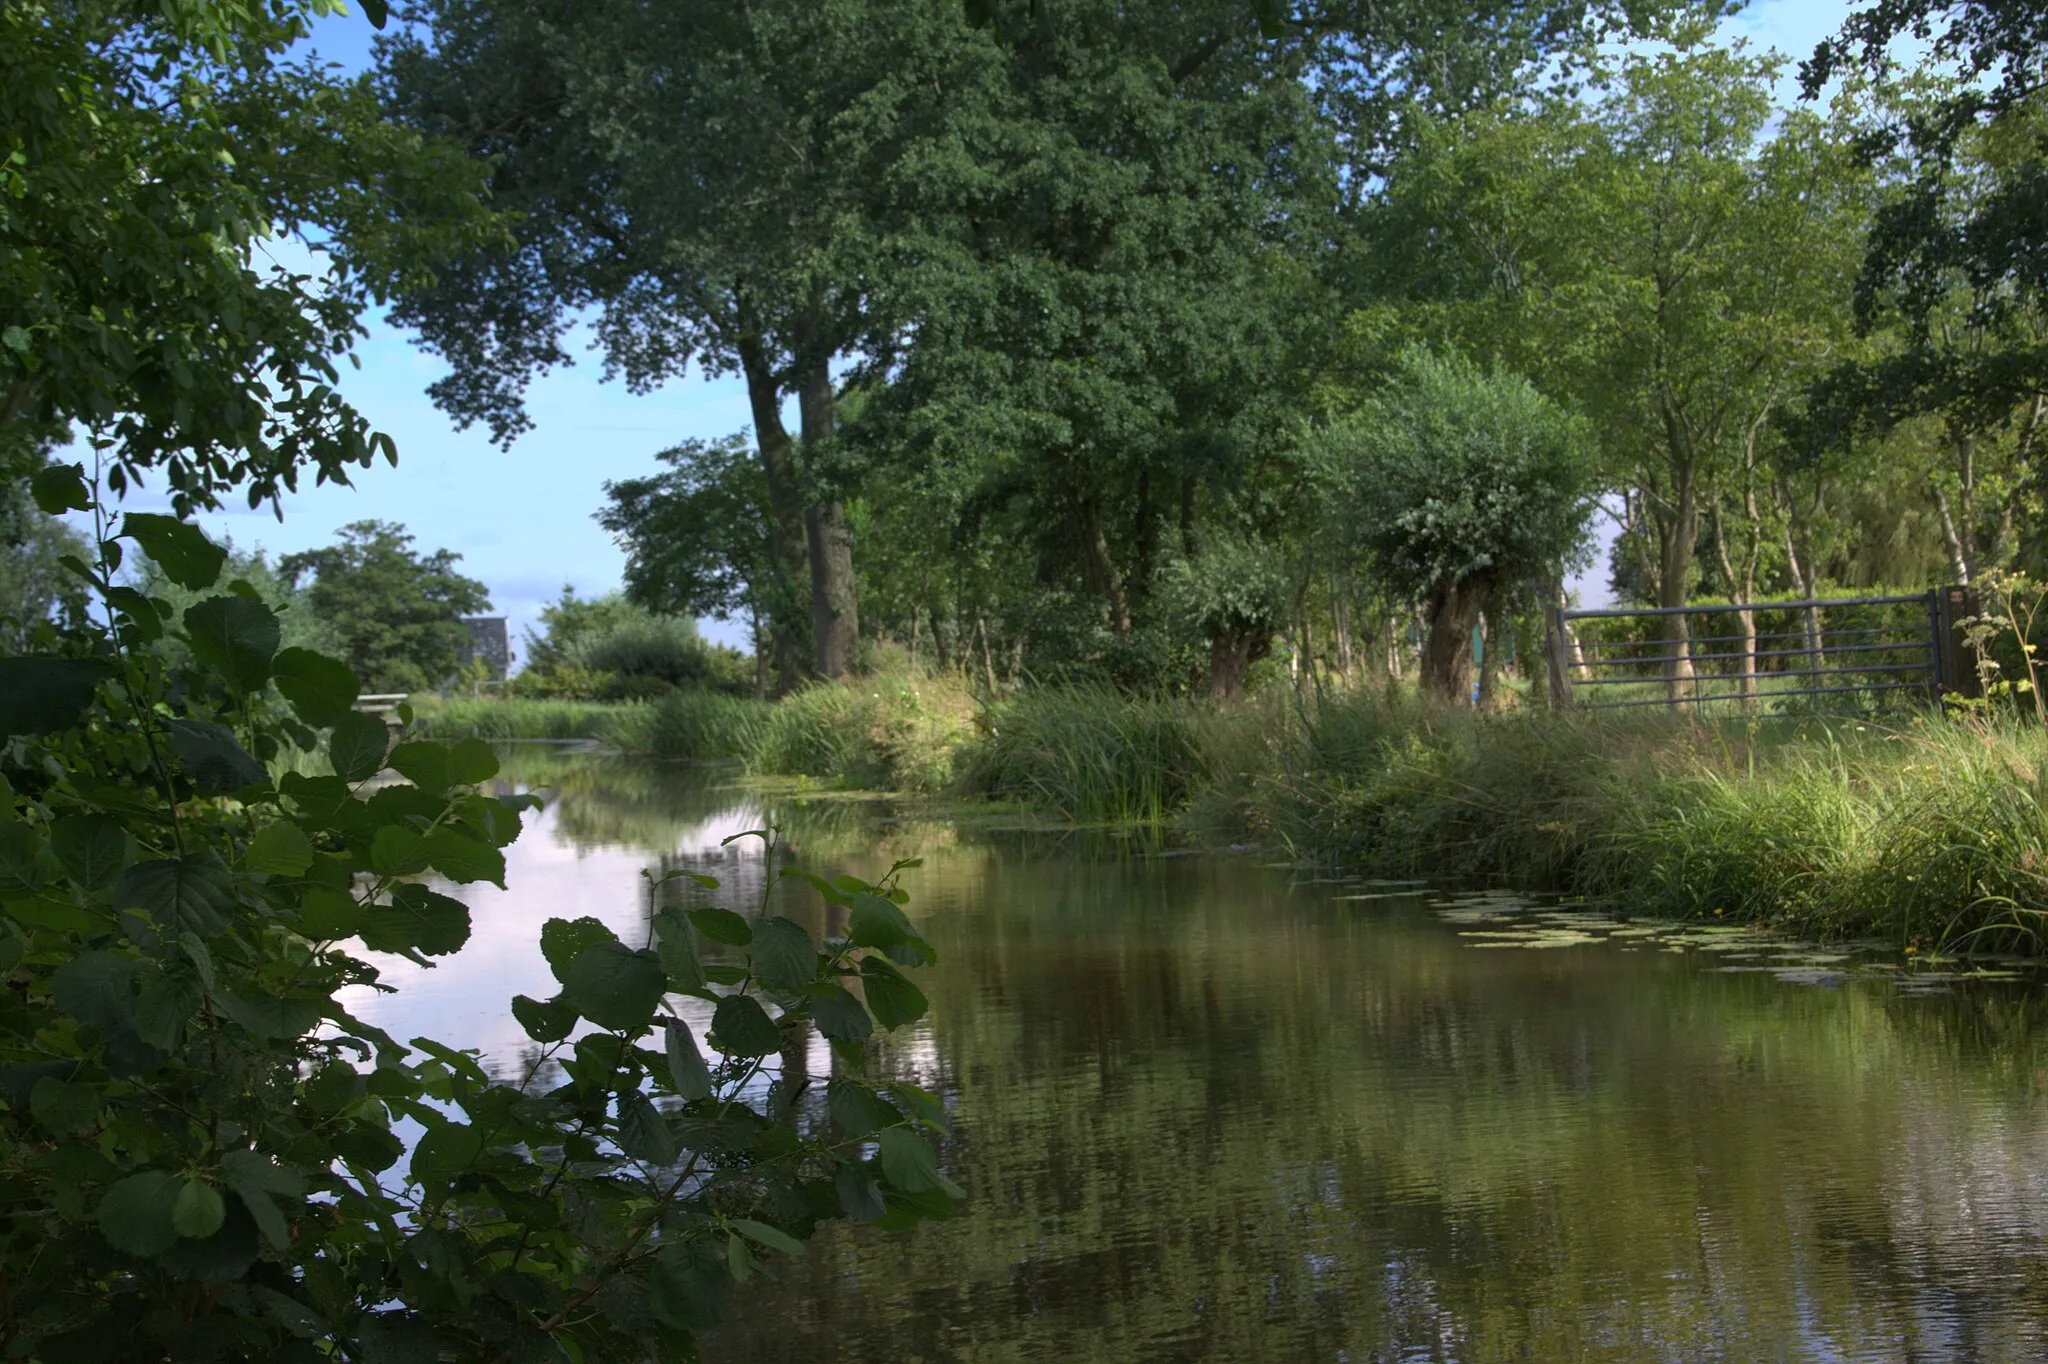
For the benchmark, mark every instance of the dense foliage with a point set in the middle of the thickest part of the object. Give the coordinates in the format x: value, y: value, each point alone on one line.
x: 394, y: 615
x: 1459, y: 486
x: 205, y: 1153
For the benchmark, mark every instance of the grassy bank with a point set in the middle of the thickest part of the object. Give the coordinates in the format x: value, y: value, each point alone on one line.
x: 1922, y: 829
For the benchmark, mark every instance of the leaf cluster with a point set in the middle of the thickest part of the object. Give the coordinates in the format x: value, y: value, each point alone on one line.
x: 207, y: 1155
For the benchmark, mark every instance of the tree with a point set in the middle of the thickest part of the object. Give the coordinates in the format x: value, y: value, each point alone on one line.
x: 1458, y: 485
x: 147, y: 149
x: 395, y: 616
x: 701, y: 175
x: 699, y: 539
x: 1664, y: 261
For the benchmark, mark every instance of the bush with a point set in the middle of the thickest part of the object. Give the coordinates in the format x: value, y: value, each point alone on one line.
x: 207, y: 1156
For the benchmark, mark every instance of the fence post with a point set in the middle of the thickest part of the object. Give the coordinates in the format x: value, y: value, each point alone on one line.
x: 1555, y: 648
x: 1955, y: 661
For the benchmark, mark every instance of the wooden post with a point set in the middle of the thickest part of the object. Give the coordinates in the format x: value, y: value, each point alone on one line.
x: 1955, y: 660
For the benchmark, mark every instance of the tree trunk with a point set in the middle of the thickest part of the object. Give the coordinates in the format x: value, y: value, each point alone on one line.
x: 1230, y: 659
x: 1742, y: 591
x: 1678, y: 532
x: 988, y: 666
x: 1489, y: 661
x: 1453, y: 610
x: 916, y: 620
x: 835, y: 610
x: 1340, y: 621
x: 788, y: 542
x: 1103, y: 579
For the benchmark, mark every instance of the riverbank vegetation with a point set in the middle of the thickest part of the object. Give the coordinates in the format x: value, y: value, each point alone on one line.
x: 1918, y: 827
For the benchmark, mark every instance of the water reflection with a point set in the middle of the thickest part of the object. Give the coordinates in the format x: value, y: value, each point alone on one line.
x: 1206, y: 1115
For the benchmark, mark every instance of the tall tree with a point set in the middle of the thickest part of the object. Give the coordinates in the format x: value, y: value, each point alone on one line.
x: 394, y: 615
x: 1666, y: 260
x: 701, y: 176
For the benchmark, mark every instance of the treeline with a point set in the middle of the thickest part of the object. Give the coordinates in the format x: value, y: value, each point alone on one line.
x: 1082, y: 311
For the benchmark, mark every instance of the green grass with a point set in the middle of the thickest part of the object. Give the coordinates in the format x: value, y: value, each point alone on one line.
x: 1922, y: 828
x: 1091, y: 753
x: 511, y: 719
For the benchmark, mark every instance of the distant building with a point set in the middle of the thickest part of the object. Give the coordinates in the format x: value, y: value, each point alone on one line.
x: 489, y: 644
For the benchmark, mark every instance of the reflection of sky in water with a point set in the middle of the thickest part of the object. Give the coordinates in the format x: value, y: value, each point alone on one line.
x: 465, y: 1000
x: 1204, y: 1116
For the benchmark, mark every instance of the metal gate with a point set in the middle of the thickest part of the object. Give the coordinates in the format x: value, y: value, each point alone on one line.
x: 1859, y: 652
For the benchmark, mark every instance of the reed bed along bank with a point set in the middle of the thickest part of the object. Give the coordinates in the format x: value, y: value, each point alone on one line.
x: 1919, y: 828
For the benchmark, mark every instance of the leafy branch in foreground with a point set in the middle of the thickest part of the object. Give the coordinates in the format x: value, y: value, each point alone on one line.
x: 205, y: 1155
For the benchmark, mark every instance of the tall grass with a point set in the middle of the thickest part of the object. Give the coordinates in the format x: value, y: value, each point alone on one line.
x: 1927, y: 828
x: 1091, y: 753
x: 499, y: 720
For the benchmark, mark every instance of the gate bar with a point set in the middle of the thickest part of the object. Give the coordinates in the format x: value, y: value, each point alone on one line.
x: 1744, y: 606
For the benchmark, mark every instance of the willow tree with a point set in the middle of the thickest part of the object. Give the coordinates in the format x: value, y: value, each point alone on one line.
x: 1459, y: 485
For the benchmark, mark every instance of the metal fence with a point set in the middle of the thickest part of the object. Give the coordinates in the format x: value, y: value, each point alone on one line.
x: 1843, y: 653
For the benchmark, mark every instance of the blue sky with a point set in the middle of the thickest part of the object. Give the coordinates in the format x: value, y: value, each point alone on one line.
x: 522, y: 519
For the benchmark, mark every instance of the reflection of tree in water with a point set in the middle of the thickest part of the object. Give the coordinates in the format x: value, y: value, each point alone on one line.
x: 1202, y: 1120
x: 604, y: 799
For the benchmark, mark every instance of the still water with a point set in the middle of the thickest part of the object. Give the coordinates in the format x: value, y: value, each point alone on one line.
x: 1205, y: 1111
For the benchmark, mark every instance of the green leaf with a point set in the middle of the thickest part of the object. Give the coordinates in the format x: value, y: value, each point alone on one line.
x: 688, y: 1290
x: 686, y: 1068
x: 722, y: 925
x: 418, y: 919
x: 423, y: 763
x: 614, y: 986
x: 270, y: 1016
x: 471, y: 761
x: 892, y: 999
x: 56, y: 488
x: 179, y: 548
x: 741, y: 1027
x: 544, y: 1020
x: 179, y: 894
x: 198, y: 1211
x: 858, y: 1193
x: 164, y: 1003
x: 561, y: 940
x: 678, y: 948
x: 40, y: 695
x: 841, y: 1017
x: 463, y: 859
x: 643, y: 1133
x: 93, y: 849
x: 135, y: 1215
x: 321, y: 689
x: 66, y: 1107
x: 378, y: 12
x: 357, y: 746
x: 44, y: 911
x: 235, y: 637
x: 761, y: 1234
x: 220, y: 1258
x: 329, y: 915
x: 214, y: 760
x: 858, y: 1109
x: 255, y: 1179
x: 783, y: 955
x: 907, y: 1162
x: 398, y: 851
x: 97, y: 988
x: 877, y: 923
x: 280, y: 848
